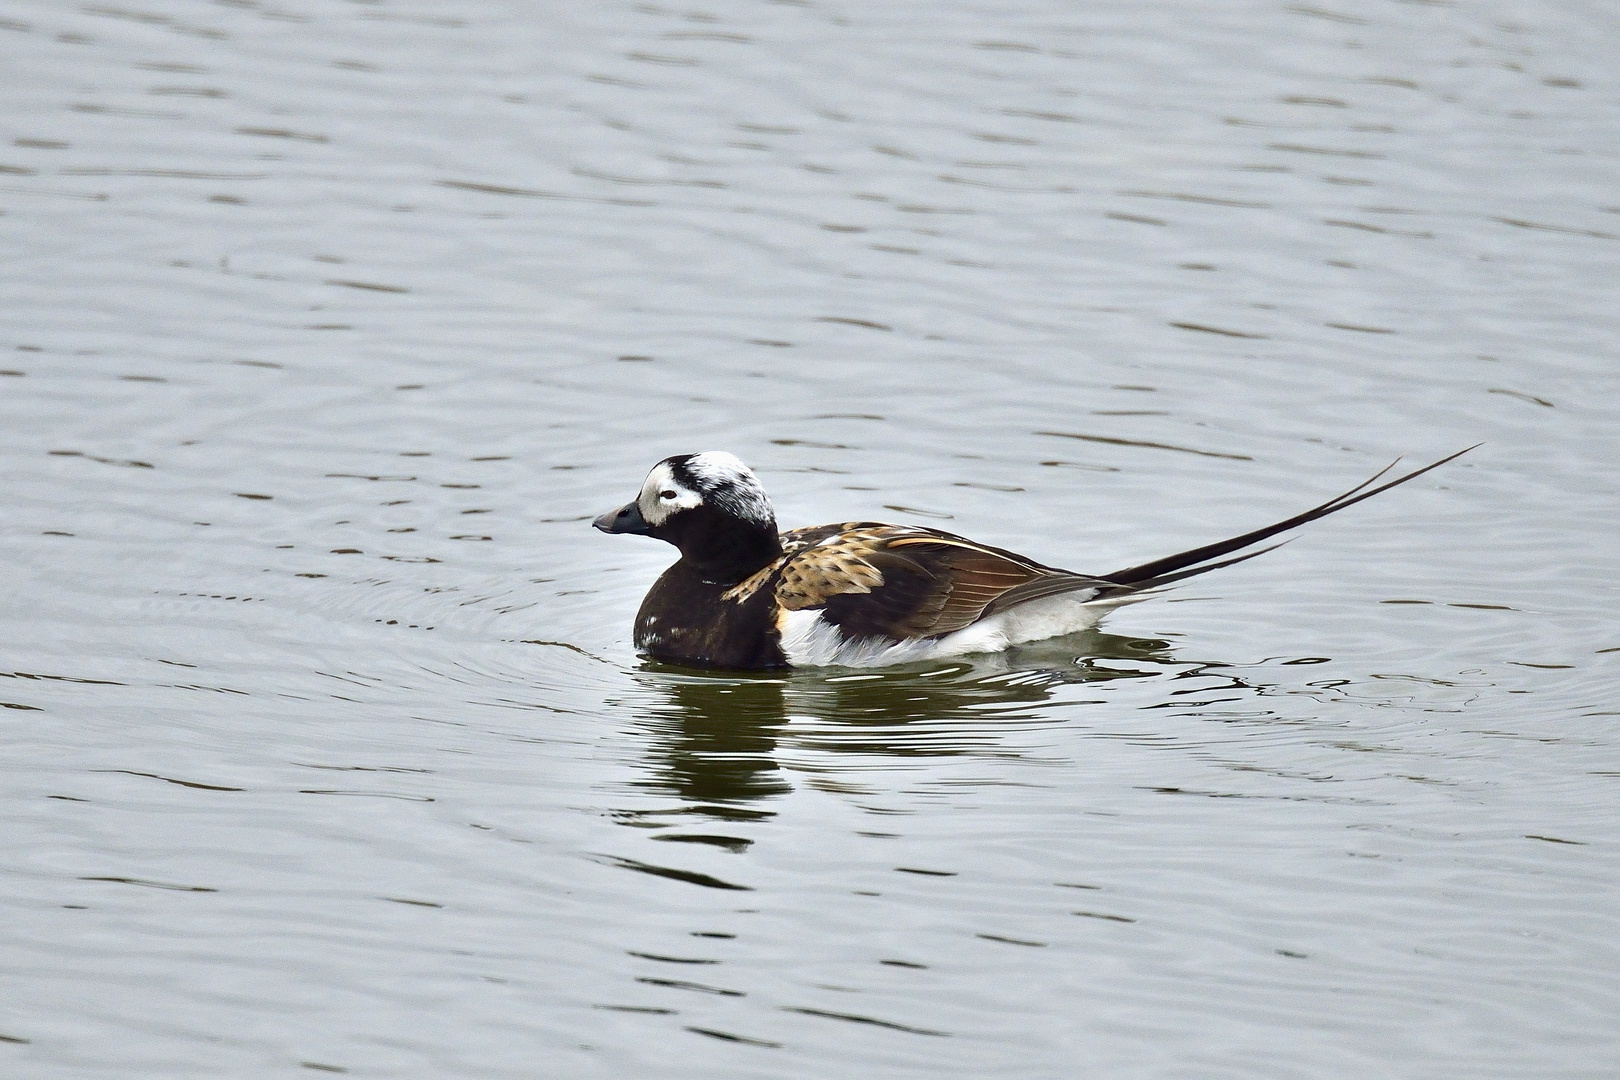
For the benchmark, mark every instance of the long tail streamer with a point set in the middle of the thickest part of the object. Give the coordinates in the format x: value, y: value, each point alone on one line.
x: 1186, y: 564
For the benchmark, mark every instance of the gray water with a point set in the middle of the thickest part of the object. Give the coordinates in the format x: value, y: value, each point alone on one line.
x: 329, y: 325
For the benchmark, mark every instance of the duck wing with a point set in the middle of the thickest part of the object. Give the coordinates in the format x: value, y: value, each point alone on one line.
x: 900, y: 582
x: 903, y: 581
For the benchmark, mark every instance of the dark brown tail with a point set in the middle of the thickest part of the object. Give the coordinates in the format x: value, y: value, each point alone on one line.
x: 1191, y: 563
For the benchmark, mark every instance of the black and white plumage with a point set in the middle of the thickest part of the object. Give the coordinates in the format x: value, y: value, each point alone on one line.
x: 864, y: 594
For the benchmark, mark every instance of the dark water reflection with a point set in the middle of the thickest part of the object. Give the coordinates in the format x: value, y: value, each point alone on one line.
x: 712, y: 739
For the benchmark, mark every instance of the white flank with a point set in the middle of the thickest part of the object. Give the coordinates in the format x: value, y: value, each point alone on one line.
x: 809, y: 640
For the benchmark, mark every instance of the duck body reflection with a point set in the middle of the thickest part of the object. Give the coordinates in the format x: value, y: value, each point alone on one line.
x: 713, y: 738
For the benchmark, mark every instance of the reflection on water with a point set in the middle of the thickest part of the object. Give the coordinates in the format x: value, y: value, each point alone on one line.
x: 712, y: 739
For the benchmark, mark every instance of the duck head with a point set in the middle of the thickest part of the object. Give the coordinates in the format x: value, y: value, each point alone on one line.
x: 710, y: 506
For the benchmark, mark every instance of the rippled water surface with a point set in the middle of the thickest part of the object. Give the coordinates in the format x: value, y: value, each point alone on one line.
x: 327, y: 327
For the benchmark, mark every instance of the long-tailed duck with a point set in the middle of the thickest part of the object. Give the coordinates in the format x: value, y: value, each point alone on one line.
x: 865, y: 594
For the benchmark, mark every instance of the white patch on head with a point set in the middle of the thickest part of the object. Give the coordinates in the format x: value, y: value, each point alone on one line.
x: 662, y: 496
x: 716, y: 478
x: 719, y: 467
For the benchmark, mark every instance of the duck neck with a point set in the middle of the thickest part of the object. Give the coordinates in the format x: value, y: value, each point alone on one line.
x: 725, y: 557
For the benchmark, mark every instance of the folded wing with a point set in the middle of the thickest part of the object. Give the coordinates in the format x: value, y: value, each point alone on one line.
x: 903, y: 582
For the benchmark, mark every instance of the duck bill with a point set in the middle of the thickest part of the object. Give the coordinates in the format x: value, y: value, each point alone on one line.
x: 626, y: 519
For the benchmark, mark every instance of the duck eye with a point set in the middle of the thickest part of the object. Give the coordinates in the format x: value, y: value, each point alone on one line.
x: 666, y: 494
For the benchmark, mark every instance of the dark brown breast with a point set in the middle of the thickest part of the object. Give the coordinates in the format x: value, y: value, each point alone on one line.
x: 686, y: 620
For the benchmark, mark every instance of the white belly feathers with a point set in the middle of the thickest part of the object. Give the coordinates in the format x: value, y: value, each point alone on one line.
x: 809, y: 640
